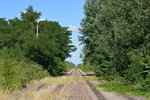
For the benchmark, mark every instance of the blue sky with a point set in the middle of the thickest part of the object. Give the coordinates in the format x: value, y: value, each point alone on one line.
x: 66, y: 12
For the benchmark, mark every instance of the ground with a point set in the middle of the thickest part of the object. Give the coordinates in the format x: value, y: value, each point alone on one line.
x: 73, y: 86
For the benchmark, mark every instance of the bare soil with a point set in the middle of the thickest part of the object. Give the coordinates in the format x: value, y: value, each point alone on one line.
x: 77, y: 91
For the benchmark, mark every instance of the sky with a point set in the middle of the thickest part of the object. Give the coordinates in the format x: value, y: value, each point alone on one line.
x: 66, y: 12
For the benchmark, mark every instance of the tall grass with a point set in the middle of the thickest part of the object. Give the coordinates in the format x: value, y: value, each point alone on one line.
x: 45, y: 93
x: 14, y: 73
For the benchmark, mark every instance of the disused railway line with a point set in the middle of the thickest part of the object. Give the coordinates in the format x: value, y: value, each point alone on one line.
x: 78, y: 91
x: 98, y: 95
x: 96, y: 92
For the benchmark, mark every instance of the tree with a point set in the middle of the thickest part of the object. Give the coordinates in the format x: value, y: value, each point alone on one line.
x: 116, y: 34
x: 50, y: 49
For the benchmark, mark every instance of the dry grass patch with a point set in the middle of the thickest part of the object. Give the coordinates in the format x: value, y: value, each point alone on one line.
x: 67, y: 80
x: 4, y: 96
x: 48, y: 95
x: 92, y: 78
x: 46, y: 92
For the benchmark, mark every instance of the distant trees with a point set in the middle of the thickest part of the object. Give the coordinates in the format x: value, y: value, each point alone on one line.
x: 116, y: 35
x: 47, y: 52
x: 68, y: 66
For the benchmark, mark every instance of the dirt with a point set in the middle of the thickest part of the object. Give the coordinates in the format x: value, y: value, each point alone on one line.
x: 82, y: 89
x: 116, y: 96
x: 108, y: 95
x: 77, y: 91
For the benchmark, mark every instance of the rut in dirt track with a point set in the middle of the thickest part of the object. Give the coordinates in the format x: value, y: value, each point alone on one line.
x: 78, y: 91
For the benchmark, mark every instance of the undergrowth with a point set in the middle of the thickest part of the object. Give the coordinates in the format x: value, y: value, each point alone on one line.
x: 119, y: 87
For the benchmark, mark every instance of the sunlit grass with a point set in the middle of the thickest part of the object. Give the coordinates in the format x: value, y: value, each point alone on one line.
x: 47, y: 90
x: 48, y: 96
x: 122, y: 88
x: 92, y: 78
x: 34, y: 95
x: 45, y: 94
x: 58, y: 80
x: 50, y: 81
x: 4, y: 96
x: 90, y: 72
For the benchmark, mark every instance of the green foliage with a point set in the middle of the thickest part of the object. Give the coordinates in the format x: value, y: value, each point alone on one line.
x: 50, y: 49
x: 32, y: 71
x: 124, y: 88
x: 27, y: 56
x: 86, y: 67
x: 68, y: 66
x: 116, y: 36
x: 136, y: 71
x: 15, y: 74
x: 10, y: 73
x: 30, y: 15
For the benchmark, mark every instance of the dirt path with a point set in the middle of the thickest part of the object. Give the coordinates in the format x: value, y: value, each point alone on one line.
x: 71, y: 86
x: 78, y: 91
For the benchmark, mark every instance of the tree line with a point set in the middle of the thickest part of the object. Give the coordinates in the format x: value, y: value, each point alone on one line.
x: 24, y: 56
x: 116, y: 38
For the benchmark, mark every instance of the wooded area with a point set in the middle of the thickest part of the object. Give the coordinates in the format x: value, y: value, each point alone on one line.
x: 24, y: 56
x: 116, y: 38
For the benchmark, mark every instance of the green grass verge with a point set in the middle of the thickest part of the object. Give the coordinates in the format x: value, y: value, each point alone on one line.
x: 87, y: 68
x: 122, y: 88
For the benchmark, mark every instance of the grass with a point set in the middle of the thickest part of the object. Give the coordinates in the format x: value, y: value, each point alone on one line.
x: 92, y: 78
x: 50, y: 81
x: 47, y: 93
x: 90, y: 72
x: 122, y: 88
x: 119, y: 87
x: 4, y: 96
x: 57, y: 80
x: 87, y: 71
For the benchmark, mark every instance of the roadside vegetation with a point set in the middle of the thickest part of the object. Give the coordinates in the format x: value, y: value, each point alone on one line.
x: 67, y: 80
x: 131, y: 89
x: 116, y: 38
x: 68, y: 66
x: 47, y: 92
x: 24, y: 56
x: 86, y: 68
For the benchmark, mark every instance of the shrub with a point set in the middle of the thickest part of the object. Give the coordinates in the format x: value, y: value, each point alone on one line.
x: 87, y: 67
x: 15, y: 73
x: 10, y: 74
x: 31, y: 72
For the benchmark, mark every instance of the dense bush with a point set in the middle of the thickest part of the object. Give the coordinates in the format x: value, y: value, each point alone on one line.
x: 10, y: 73
x: 32, y: 71
x: 15, y: 73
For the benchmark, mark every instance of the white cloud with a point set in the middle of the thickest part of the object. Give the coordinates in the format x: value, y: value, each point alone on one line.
x: 74, y: 55
x: 73, y: 28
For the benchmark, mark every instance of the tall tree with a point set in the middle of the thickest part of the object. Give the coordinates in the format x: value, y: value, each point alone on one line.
x: 115, y: 34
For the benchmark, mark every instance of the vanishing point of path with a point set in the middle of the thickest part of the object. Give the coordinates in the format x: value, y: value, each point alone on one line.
x: 78, y: 91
